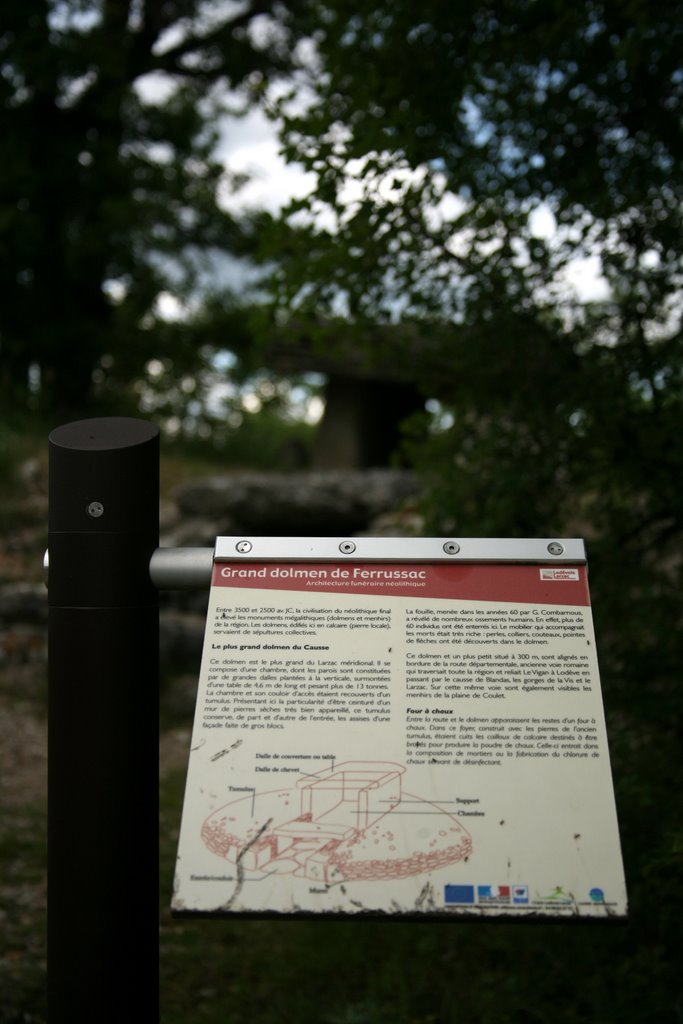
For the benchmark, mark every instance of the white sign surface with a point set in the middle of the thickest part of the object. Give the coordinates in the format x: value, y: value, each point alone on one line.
x: 392, y: 738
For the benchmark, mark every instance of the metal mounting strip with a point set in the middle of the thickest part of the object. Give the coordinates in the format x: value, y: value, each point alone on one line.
x: 402, y: 549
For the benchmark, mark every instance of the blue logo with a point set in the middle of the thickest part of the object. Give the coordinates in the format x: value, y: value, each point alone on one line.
x: 458, y: 894
x: 520, y: 893
x: 597, y: 895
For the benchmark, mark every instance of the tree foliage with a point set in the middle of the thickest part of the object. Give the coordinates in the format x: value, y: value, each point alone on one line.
x: 109, y: 182
x: 443, y: 139
x: 470, y: 161
x: 496, y: 108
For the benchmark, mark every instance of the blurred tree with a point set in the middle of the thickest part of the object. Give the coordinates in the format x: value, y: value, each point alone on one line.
x: 433, y: 129
x: 470, y: 161
x: 109, y: 183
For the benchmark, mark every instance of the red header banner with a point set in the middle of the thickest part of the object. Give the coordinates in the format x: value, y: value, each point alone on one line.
x: 526, y: 584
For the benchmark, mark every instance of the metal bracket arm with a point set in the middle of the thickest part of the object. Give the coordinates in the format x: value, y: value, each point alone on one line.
x: 190, y: 568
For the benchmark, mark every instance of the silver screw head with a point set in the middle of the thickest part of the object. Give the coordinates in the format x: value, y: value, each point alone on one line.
x: 347, y: 547
x: 451, y: 547
x: 555, y: 548
x: 243, y: 546
x: 95, y: 509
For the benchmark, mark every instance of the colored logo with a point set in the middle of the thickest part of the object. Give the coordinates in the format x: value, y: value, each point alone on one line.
x: 520, y: 893
x: 597, y: 895
x: 558, y: 895
x: 458, y: 894
x: 559, y: 574
x: 493, y: 893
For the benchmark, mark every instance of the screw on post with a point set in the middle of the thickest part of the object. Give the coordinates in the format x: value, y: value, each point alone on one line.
x: 555, y: 548
x: 347, y: 547
x: 95, y: 509
x: 243, y: 546
x: 451, y: 547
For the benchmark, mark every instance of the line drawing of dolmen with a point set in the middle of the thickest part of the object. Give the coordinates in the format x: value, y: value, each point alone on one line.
x: 337, y: 804
x: 348, y: 789
x: 343, y: 828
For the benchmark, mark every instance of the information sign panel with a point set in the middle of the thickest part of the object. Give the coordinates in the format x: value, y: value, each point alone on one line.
x: 399, y: 737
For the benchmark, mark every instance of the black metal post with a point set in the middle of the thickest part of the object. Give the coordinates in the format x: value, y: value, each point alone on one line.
x: 103, y: 724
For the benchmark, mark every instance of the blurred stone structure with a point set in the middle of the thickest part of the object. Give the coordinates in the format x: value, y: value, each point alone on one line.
x: 368, y: 394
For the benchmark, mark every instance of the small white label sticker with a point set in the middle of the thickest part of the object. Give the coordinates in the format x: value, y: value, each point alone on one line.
x: 559, y: 574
